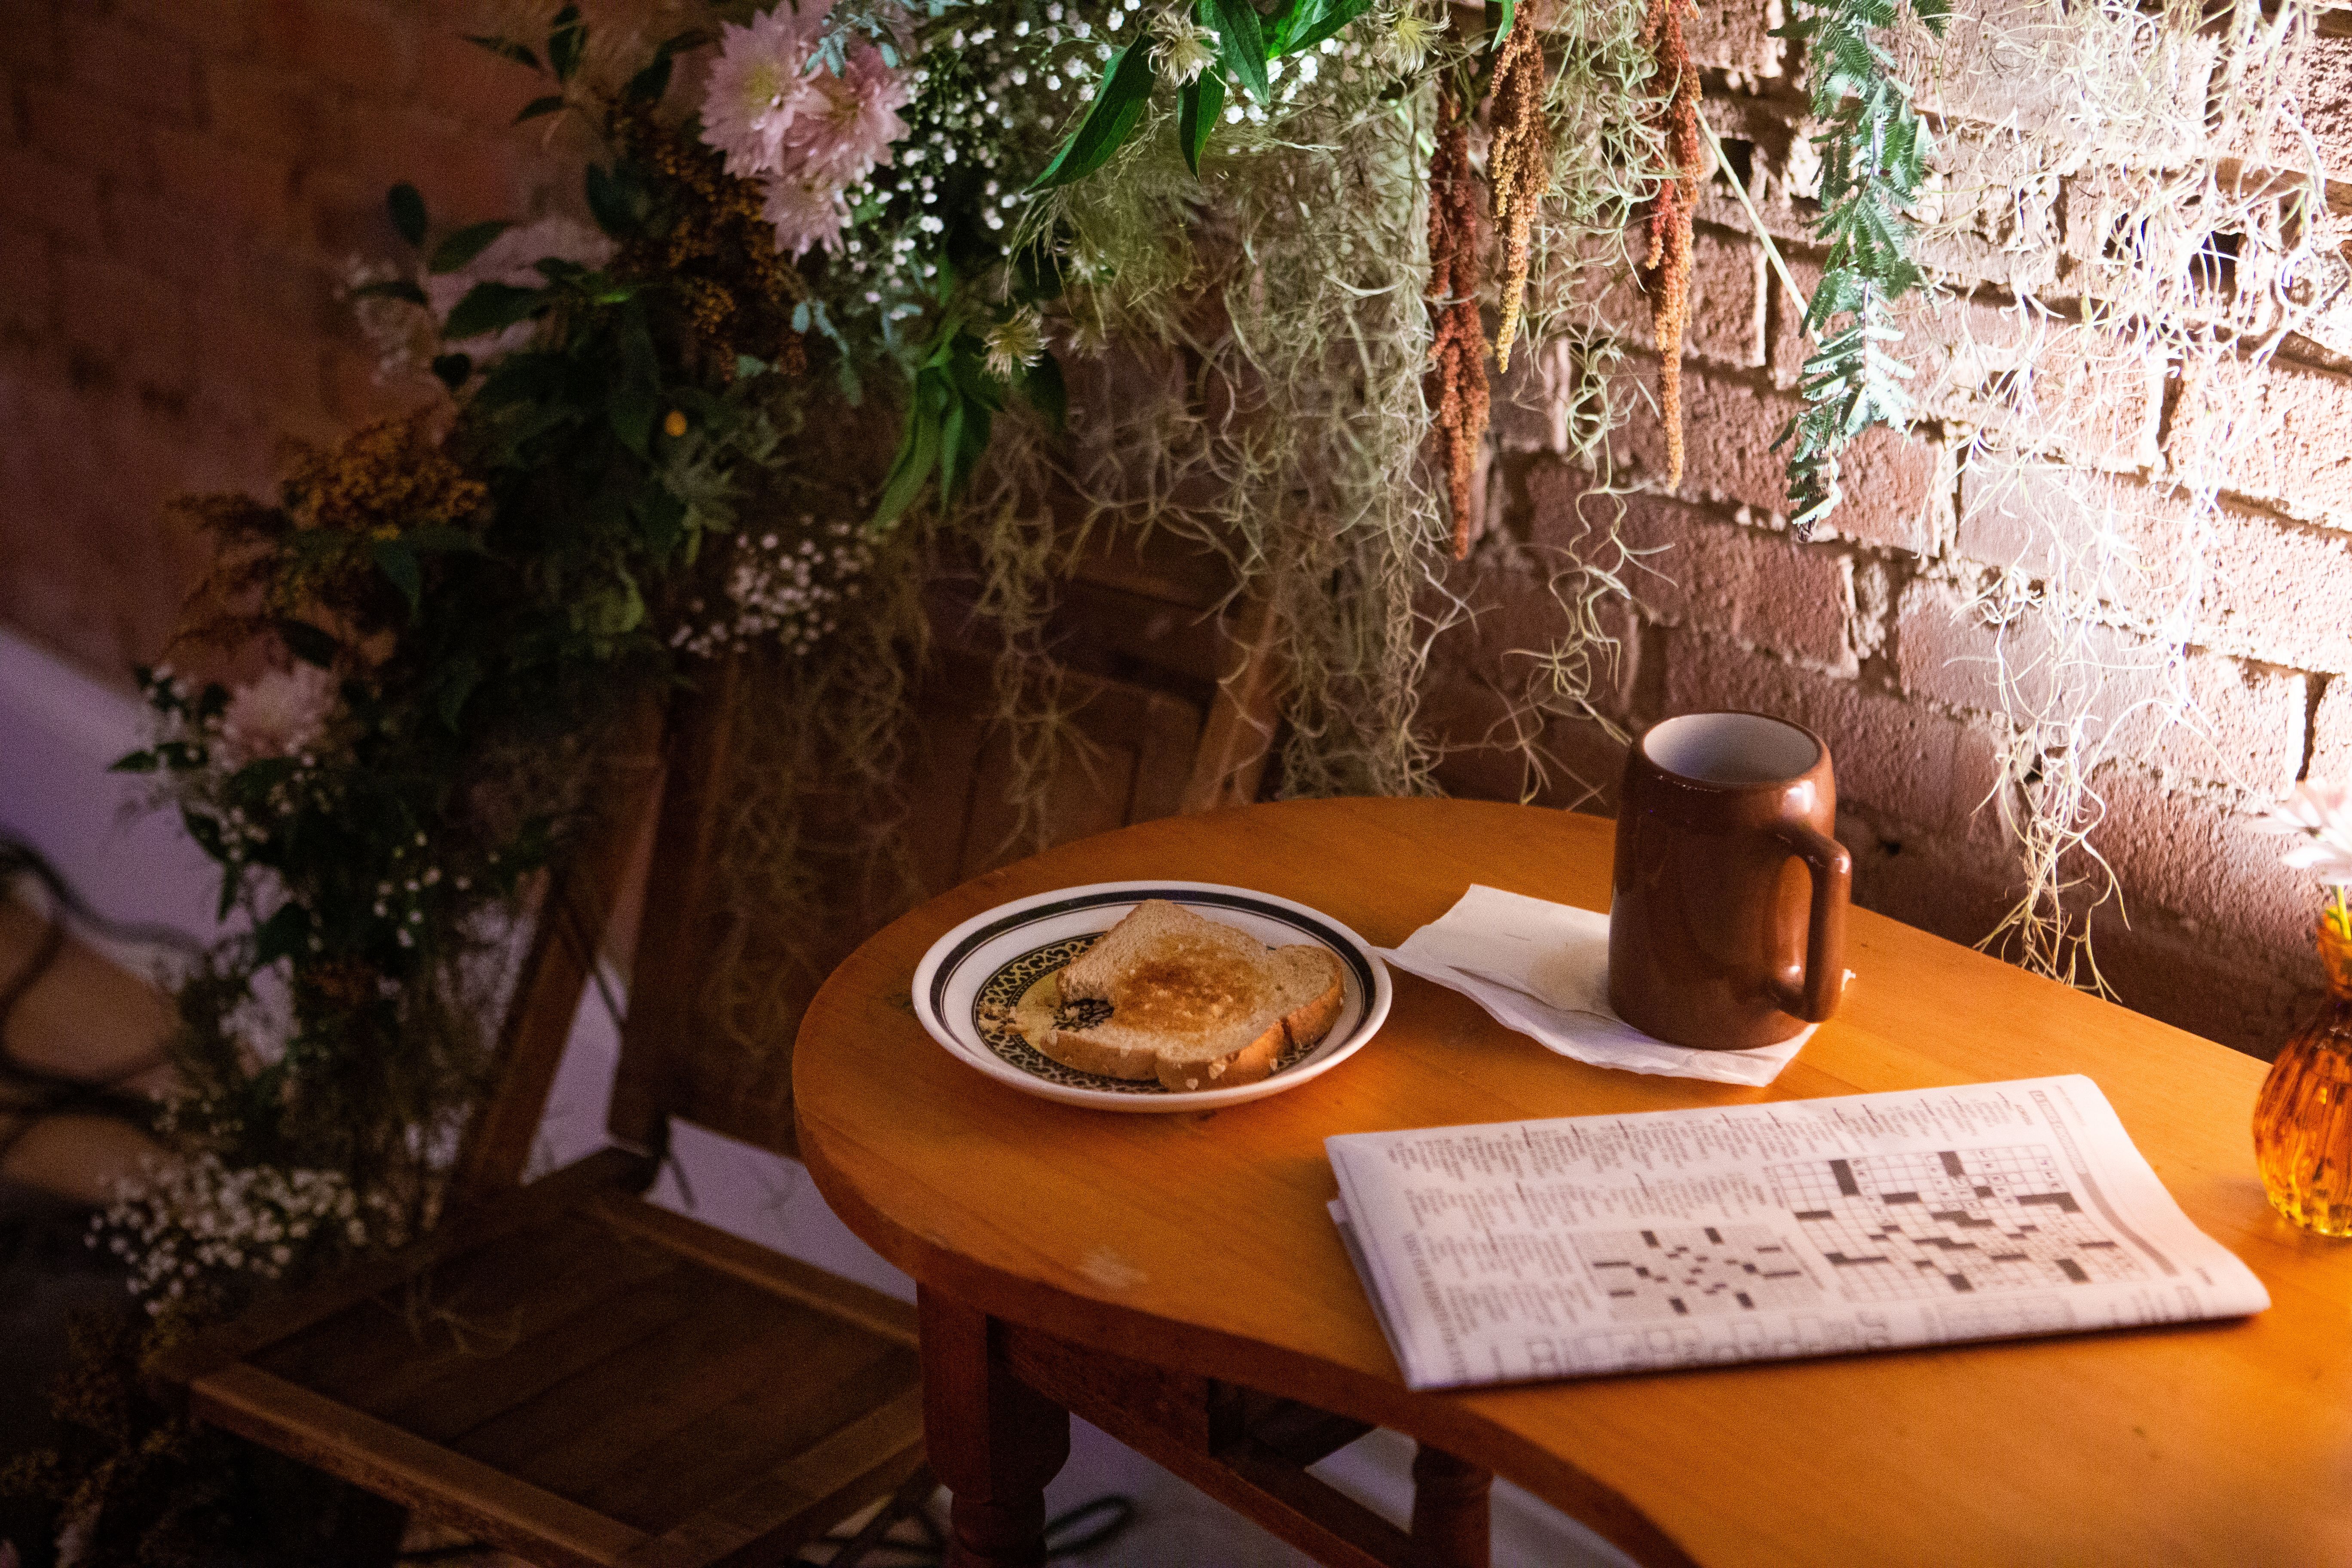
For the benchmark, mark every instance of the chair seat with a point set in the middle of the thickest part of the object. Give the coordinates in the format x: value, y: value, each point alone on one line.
x: 582, y: 1377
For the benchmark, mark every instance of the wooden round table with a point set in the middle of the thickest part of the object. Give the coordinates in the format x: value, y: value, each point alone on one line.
x: 1199, y: 1244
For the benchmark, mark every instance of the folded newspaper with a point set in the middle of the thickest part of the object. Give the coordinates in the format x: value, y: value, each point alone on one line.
x: 1588, y: 1245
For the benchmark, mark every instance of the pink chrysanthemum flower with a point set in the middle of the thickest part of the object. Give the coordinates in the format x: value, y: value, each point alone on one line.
x: 760, y: 84
x: 805, y: 214
x: 850, y: 120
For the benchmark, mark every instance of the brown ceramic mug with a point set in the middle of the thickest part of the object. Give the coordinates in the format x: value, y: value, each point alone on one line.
x: 1727, y: 919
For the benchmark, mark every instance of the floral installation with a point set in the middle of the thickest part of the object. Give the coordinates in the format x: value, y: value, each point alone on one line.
x: 642, y: 459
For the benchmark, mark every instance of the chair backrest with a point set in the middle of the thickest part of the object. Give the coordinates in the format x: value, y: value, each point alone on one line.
x: 1196, y: 737
x: 580, y: 903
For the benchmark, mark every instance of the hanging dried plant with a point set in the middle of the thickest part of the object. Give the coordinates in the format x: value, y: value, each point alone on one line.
x: 1457, y: 355
x: 1666, y: 270
x: 1519, y: 164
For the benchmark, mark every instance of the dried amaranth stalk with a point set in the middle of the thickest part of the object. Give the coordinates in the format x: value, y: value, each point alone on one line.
x: 1666, y: 270
x: 1518, y: 162
x: 1457, y: 352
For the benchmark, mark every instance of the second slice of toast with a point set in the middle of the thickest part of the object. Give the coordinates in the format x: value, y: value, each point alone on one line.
x: 1194, y: 1003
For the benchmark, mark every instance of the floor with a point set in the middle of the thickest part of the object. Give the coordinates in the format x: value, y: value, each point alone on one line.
x: 93, y: 1016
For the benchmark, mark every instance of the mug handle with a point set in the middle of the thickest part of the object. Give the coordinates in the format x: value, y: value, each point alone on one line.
x: 1815, y: 996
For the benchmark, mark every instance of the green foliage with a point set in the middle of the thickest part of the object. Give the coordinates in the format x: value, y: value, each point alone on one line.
x: 1246, y: 42
x: 1875, y: 155
x: 952, y: 412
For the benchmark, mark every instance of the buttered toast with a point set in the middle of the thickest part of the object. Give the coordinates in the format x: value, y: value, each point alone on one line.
x: 1191, y: 1001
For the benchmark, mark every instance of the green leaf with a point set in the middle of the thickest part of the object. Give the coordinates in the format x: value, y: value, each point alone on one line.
x: 618, y: 198
x: 631, y: 411
x: 453, y: 370
x: 440, y: 538
x: 458, y: 248
x: 1042, y: 386
x: 552, y: 103
x: 505, y: 49
x: 1118, y: 105
x: 407, y: 205
x: 919, y: 452
x: 136, y: 762
x: 567, y: 40
x: 456, y: 686
x: 283, y: 935
x: 746, y: 367
x: 648, y: 85
x: 399, y: 564
x: 392, y: 288
x: 491, y: 308
x: 1198, y: 103
x: 1503, y: 12
x: 1241, y: 44
x: 1310, y: 27
x: 308, y: 643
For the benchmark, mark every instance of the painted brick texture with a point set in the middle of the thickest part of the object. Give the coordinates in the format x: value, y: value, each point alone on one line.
x: 183, y: 183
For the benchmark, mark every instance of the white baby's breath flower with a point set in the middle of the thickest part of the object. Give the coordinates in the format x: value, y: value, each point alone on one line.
x: 1406, y: 39
x: 1184, y: 49
x: 1014, y: 344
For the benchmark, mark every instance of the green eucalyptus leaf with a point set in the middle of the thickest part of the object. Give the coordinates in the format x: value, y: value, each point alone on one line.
x: 1241, y: 44
x: 1198, y: 105
x: 618, y: 198
x: 1042, y: 388
x: 401, y: 568
x: 505, y: 49
x: 308, y: 643
x: 649, y: 84
x: 440, y: 538
x: 491, y: 308
x: 456, y: 249
x: 284, y: 934
x: 919, y: 452
x: 631, y: 411
x: 407, y: 205
x: 1119, y: 104
x: 458, y: 684
x: 1309, y: 31
x: 567, y: 40
x: 392, y: 288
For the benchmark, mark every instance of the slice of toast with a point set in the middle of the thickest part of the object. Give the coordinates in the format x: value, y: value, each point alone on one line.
x: 1194, y: 1003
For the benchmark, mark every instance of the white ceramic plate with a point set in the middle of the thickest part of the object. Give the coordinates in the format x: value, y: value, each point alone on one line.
x: 994, y: 957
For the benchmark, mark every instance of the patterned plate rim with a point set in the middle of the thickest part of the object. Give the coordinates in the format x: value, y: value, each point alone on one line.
x: 938, y: 968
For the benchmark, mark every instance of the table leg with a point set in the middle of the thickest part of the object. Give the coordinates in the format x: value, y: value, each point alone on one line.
x: 993, y: 1440
x: 1450, y: 1518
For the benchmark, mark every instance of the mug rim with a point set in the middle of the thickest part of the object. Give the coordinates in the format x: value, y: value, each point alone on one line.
x: 1642, y: 749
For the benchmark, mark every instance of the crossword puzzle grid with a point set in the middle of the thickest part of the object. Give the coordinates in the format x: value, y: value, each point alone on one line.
x: 1914, y: 1227
x: 1696, y: 1271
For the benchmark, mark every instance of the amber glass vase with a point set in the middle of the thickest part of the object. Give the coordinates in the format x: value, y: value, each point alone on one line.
x: 2303, y: 1120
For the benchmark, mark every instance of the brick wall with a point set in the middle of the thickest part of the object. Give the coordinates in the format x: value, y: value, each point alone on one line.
x: 1866, y: 633
x: 183, y: 181
x: 182, y: 185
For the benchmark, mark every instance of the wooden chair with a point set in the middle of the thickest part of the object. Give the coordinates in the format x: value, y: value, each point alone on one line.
x: 564, y: 1369
x: 581, y: 1377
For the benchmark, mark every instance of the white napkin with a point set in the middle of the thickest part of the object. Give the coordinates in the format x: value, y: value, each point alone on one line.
x: 1543, y: 968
